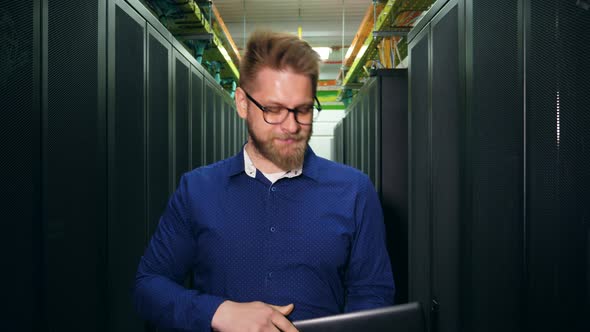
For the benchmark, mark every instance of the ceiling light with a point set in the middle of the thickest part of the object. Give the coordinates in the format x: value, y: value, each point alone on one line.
x: 324, y: 52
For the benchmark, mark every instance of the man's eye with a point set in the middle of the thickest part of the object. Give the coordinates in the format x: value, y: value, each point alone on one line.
x: 305, y: 109
x: 273, y: 109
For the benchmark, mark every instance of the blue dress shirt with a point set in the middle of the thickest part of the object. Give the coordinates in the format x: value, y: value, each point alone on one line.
x: 316, y: 240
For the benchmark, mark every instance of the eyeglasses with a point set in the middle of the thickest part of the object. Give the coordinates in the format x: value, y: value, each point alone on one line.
x: 278, y: 114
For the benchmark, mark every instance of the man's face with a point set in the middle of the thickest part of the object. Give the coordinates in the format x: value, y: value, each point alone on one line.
x: 282, y: 144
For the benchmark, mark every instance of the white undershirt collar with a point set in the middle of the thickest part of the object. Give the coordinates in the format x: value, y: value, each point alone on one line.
x: 250, y: 170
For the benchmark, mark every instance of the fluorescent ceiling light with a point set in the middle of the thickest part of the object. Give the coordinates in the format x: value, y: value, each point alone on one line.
x: 324, y: 52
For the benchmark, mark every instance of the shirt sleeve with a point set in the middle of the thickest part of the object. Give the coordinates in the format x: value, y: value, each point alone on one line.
x: 368, y: 281
x: 158, y: 293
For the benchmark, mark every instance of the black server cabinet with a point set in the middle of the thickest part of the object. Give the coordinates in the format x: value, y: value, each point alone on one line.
x: 242, y: 134
x: 237, y: 132
x: 556, y: 171
x: 373, y: 137
x: 498, y: 146
x: 363, y: 152
x: 445, y: 115
x: 231, y: 130
x: 210, y: 140
x: 52, y: 133
x: 127, y: 225
x: 494, y: 147
x: 159, y: 138
x: 87, y: 130
x: 196, y: 117
x: 373, y: 144
x: 465, y: 167
x: 390, y: 164
x: 226, y: 129
x: 20, y: 165
x: 359, y: 132
x: 219, y: 115
x: 348, y: 146
x: 419, y: 171
x: 74, y: 174
x: 219, y: 126
x: 234, y: 129
x: 181, y: 90
x: 339, y: 141
x: 354, y: 129
x: 231, y: 117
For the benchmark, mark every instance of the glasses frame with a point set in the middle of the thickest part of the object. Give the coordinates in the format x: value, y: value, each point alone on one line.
x: 292, y: 110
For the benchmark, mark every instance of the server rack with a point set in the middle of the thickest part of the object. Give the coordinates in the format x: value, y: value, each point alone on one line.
x: 373, y: 138
x: 159, y: 124
x: 102, y: 112
x: 196, y: 118
x: 181, y: 115
x: 485, y: 123
x: 72, y: 158
x: 20, y: 134
x: 127, y: 231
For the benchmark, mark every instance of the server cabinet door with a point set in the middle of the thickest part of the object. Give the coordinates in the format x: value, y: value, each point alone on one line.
x: 127, y: 230
x: 372, y: 132
x: 219, y: 125
x: 229, y: 128
x: 357, y: 128
x: 419, y: 171
x: 74, y: 158
x: 392, y: 165
x: 495, y: 167
x: 158, y: 123
x: 348, y: 135
x: 446, y: 131
x: 181, y: 109
x: 363, y: 147
x: 209, y: 115
x: 197, y: 108
x: 235, y: 125
x: 557, y: 158
x: 20, y: 165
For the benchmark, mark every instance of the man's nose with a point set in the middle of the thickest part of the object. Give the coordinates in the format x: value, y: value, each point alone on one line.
x: 290, y: 124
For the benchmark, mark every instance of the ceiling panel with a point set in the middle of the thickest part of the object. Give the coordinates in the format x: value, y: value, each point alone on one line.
x: 321, y: 22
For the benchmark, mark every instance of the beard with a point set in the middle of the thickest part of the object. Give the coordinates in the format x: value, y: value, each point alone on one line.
x: 284, y: 157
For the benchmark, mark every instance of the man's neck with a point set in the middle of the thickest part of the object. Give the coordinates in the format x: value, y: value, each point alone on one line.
x: 260, y: 162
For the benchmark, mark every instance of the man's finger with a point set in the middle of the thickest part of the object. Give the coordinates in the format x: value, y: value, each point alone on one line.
x: 285, y: 310
x: 282, y: 322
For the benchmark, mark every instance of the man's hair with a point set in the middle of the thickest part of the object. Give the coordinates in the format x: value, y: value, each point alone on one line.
x: 278, y: 51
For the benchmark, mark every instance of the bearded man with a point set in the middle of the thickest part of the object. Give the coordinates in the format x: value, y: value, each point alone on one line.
x: 275, y: 233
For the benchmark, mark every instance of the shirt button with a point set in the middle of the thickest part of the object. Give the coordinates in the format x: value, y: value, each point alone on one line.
x: 272, y: 229
x: 273, y: 189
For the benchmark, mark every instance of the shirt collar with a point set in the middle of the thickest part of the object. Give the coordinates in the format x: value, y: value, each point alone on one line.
x: 250, y: 169
x: 310, y: 168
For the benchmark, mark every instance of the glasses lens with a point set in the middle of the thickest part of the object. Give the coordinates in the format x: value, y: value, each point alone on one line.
x: 305, y: 117
x: 275, y: 115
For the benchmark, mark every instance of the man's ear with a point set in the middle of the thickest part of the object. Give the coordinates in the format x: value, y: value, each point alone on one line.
x: 241, y: 103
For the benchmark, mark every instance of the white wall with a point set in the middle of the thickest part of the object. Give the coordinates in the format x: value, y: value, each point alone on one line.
x: 322, y: 140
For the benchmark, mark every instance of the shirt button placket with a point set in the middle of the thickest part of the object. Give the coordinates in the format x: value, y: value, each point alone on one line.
x: 272, y: 229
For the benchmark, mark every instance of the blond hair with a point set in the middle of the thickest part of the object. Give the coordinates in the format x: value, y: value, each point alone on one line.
x: 278, y: 51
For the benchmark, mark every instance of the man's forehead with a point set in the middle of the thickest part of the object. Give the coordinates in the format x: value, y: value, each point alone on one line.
x: 272, y: 79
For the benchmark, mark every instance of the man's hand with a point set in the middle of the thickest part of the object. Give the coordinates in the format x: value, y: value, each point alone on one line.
x: 252, y: 317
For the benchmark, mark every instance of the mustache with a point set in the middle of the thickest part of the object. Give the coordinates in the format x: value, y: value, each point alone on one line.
x: 293, y: 137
